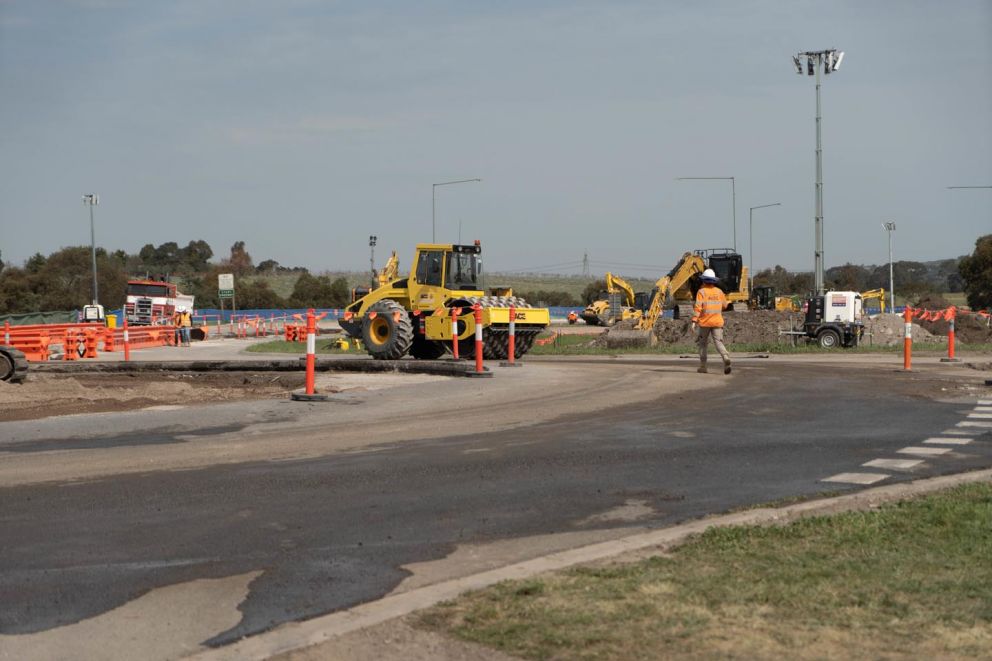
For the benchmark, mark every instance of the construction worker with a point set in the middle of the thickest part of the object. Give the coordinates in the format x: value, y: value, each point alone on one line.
x: 707, y: 319
x: 185, y: 324
x: 177, y: 318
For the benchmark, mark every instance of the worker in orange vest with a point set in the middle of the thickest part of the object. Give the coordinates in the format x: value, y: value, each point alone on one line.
x: 707, y: 316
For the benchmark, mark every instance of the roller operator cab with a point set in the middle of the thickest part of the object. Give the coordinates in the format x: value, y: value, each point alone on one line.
x: 413, y: 315
x: 834, y: 319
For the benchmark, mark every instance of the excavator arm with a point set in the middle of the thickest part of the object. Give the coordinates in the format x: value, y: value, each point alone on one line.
x: 389, y: 272
x: 678, y: 278
x: 615, y: 283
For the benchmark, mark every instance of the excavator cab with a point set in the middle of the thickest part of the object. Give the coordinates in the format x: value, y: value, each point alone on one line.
x: 728, y: 266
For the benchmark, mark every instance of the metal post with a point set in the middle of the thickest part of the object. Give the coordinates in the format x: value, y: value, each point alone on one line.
x: 372, y: 240
x: 889, y: 227
x: 92, y: 200
x: 818, y: 229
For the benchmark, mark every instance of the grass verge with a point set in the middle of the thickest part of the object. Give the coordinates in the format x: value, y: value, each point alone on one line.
x: 909, y: 580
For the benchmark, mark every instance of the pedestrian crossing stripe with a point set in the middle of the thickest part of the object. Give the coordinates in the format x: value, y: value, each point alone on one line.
x: 949, y: 441
x: 894, y: 464
x: 923, y: 452
x: 974, y: 423
x: 856, y: 478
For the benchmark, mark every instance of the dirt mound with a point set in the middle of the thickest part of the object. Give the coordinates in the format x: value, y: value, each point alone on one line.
x: 887, y: 329
x: 932, y: 302
x: 968, y: 328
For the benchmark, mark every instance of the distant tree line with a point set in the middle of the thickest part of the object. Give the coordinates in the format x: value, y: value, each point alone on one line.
x: 63, y: 280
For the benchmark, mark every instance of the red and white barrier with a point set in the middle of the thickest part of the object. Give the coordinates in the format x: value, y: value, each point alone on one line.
x: 127, y: 343
x: 907, y: 342
x: 454, y: 331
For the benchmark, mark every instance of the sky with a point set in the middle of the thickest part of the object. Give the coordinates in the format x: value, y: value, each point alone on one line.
x: 302, y: 127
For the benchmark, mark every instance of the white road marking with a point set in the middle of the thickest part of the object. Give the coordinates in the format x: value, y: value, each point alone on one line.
x: 980, y: 415
x: 894, y: 464
x: 970, y: 423
x: 957, y: 431
x: 949, y: 441
x: 984, y: 402
x: 856, y: 478
x: 983, y: 409
x: 923, y: 452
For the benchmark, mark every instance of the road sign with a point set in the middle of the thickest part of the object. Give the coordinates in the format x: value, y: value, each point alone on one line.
x: 226, y: 293
x: 225, y: 281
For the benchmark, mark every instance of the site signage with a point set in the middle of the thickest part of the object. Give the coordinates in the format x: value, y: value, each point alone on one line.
x: 225, y: 285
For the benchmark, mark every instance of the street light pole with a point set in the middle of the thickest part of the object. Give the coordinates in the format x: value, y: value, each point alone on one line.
x: 92, y: 199
x: 434, y: 203
x: 750, y: 238
x: 830, y: 61
x: 733, y: 198
x: 890, y: 227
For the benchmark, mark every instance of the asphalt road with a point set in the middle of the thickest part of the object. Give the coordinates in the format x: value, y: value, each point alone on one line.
x: 331, y: 531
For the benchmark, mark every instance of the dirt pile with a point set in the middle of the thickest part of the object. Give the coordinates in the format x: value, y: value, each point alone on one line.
x: 887, y: 329
x: 753, y: 327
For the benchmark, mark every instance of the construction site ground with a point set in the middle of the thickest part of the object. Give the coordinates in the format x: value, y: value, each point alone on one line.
x: 47, y: 393
x: 550, y: 428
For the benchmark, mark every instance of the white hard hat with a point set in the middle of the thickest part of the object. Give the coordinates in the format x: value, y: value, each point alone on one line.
x: 709, y: 276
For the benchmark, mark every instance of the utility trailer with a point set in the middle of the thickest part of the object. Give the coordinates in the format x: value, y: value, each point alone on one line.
x: 835, y: 319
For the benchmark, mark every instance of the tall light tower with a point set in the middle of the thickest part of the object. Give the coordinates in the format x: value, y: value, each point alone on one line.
x: 92, y: 199
x: 830, y: 61
x: 890, y: 227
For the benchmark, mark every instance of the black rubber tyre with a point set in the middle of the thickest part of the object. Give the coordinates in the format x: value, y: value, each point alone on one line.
x: 13, y: 365
x: 388, y: 332
x: 424, y: 349
x: 828, y: 338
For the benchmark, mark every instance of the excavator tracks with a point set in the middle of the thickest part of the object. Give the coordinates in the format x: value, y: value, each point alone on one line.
x: 13, y: 365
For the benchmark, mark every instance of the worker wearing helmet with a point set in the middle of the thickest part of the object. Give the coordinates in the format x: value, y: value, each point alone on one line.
x: 707, y: 315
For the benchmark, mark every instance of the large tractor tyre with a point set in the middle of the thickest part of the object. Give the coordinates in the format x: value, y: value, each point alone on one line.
x: 387, y: 331
x: 828, y: 338
x: 425, y: 349
x: 13, y: 365
x: 496, y: 343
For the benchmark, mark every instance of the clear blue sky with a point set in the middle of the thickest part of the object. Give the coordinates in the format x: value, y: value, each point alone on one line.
x: 302, y: 127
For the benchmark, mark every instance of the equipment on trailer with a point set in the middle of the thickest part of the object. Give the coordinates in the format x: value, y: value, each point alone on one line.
x: 415, y: 315
x: 835, y: 319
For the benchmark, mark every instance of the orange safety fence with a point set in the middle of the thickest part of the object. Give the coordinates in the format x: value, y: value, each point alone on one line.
x: 82, y: 340
x: 947, y: 314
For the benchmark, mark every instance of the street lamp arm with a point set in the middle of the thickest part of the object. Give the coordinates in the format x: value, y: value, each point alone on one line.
x: 434, y: 202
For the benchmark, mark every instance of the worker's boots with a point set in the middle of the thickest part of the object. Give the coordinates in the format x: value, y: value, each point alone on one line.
x: 702, y: 369
x: 726, y: 367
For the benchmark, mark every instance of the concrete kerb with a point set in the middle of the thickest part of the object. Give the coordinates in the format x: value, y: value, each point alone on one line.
x: 437, y: 367
x: 299, y: 635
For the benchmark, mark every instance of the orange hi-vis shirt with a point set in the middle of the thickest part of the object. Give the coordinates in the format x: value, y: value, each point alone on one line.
x: 708, y: 311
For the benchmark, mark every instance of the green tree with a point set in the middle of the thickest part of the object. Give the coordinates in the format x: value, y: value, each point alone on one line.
x: 976, y: 272
x: 240, y: 261
x: 312, y: 291
x: 257, y: 295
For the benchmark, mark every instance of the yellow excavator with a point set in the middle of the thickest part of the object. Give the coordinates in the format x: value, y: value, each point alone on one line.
x: 874, y: 294
x: 601, y: 313
x: 677, y: 290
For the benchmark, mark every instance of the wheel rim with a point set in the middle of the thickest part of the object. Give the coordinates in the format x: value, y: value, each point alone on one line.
x: 379, y: 331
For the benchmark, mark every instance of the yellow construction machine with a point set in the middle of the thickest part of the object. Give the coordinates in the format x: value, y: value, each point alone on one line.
x: 627, y: 304
x: 763, y: 298
x: 413, y: 315
x: 874, y: 294
x: 677, y: 290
